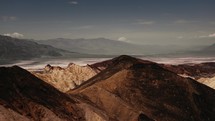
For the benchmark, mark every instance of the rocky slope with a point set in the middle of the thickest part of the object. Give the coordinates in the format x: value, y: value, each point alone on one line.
x: 67, y: 78
x: 203, y: 72
x: 24, y: 97
x: 135, y: 90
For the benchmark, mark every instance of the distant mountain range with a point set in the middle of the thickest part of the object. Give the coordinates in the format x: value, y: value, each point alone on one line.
x: 109, y: 47
x: 207, y: 51
x: 210, y: 48
x: 94, y: 46
x: 12, y: 49
x: 103, y: 46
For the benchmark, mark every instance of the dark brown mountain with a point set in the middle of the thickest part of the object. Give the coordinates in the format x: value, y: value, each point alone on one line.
x: 193, y: 70
x: 202, y: 72
x: 130, y: 89
x: 121, y: 59
x: 25, y: 97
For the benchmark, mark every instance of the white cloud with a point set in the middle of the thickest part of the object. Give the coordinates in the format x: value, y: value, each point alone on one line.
x: 15, y: 35
x: 8, y: 18
x: 124, y: 39
x: 211, y: 35
x: 73, y: 2
x: 207, y: 36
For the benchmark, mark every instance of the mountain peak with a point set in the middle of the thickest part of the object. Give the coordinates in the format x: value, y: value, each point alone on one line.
x: 124, y: 57
x: 120, y: 61
x: 127, y: 59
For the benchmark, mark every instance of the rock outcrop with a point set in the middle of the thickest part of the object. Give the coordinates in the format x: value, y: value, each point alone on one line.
x: 67, y: 78
x: 209, y: 81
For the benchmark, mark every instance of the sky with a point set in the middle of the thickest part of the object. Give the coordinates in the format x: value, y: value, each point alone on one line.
x: 185, y: 22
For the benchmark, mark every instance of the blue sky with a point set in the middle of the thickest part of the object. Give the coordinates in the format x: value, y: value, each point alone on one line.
x: 136, y: 21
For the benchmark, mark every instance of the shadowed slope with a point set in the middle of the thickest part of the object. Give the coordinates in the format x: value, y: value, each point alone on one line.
x: 34, y: 99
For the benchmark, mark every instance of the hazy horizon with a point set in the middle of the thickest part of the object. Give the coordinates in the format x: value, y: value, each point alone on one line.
x: 184, y: 22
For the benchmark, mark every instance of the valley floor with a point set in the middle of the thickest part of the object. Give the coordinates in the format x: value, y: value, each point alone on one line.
x: 38, y: 64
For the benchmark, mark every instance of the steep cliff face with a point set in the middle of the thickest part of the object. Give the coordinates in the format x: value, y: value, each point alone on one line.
x: 24, y: 97
x: 133, y: 90
x: 67, y: 78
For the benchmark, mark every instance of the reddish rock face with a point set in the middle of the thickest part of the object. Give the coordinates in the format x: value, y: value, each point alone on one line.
x: 131, y: 90
x: 24, y: 96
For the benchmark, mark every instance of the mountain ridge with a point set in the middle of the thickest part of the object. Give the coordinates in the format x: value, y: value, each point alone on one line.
x: 210, y: 48
x: 13, y: 49
x: 149, y: 90
x: 103, y: 46
x: 125, y: 89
